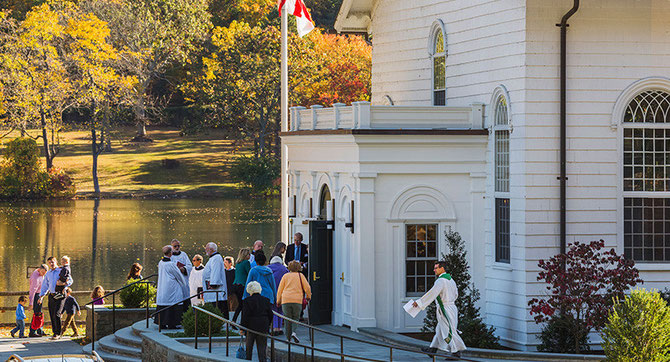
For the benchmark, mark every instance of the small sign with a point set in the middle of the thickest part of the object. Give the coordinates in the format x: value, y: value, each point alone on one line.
x: 30, y: 270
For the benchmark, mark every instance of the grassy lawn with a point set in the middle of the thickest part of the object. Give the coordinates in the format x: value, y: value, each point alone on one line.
x: 136, y: 169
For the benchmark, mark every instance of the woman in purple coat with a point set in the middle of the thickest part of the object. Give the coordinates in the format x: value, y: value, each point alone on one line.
x: 278, y: 270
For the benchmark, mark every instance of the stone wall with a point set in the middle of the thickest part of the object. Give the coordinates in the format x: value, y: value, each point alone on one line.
x: 104, y: 320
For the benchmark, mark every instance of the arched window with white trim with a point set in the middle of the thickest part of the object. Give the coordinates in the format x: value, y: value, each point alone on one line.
x: 438, y: 53
x: 646, y: 177
x: 501, y: 132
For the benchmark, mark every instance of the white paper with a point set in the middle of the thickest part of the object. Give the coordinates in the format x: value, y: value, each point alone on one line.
x: 410, y: 309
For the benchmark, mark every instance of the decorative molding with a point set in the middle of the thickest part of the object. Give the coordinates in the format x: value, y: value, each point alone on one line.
x: 421, y: 202
x: 500, y: 90
x: 438, y: 25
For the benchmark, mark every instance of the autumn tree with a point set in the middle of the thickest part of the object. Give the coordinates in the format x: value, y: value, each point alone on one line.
x: 91, y: 62
x: 152, y: 36
x: 35, y: 77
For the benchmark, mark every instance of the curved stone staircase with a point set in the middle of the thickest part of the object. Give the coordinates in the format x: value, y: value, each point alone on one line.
x: 123, y: 346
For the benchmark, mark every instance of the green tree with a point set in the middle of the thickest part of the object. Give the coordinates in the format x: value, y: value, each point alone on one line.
x: 638, y: 328
x: 152, y: 37
x: 475, y: 332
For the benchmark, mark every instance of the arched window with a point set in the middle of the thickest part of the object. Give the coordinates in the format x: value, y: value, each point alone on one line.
x: 324, y: 198
x: 438, y: 52
x: 646, y: 177
x: 501, y: 163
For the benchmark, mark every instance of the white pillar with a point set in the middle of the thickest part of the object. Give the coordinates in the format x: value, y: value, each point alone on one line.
x: 284, y: 126
x: 363, y: 264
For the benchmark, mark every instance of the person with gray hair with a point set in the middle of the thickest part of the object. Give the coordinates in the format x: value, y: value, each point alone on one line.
x: 171, y: 290
x: 256, y: 316
x: 214, y: 280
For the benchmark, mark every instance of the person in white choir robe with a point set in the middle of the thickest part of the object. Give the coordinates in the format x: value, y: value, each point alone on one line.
x: 214, y: 280
x: 178, y: 256
x: 195, y: 280
x: 444, y: 292
x: 170, y: 290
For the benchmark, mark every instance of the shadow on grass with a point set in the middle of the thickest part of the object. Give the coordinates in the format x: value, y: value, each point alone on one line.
x: 189, y: 172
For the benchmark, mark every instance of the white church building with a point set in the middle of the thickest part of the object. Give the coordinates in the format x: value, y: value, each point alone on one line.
x: 464, y: 132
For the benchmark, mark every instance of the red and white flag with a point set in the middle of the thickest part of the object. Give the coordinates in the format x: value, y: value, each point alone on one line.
x: 302, y: 17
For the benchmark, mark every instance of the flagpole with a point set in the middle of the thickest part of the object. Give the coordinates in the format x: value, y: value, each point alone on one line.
x: 285, y: 232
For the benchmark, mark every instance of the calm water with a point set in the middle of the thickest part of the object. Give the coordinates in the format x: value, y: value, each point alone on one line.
x: 128, y: 231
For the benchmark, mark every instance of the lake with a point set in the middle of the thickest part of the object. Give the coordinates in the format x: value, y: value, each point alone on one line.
x: 128, y: 231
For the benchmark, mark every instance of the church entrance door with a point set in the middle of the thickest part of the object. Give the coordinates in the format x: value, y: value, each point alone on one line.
x: 321, y: 271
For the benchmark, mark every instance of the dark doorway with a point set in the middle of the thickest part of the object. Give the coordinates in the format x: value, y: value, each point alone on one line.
x: 321, y: 271
x: 323, y: 202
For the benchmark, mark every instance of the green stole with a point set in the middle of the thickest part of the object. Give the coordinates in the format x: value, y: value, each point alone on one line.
x: 444, y: 312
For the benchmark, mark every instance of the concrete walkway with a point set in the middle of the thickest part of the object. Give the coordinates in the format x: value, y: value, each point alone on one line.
x: 26, y: 347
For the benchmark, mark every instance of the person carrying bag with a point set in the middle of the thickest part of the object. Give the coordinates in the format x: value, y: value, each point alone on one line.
x: 293, y: 295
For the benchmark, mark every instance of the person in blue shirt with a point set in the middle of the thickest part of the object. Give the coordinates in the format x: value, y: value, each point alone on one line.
x: 49, y: 287
x: 20, y: 317
x: 263, y: 275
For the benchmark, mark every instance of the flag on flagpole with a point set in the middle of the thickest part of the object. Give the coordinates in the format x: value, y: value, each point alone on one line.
x: 302, y: 17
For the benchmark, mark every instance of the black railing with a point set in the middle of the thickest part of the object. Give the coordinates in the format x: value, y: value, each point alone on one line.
x: 305, y: 347
x: 199, y: 294
x: 113, y: 294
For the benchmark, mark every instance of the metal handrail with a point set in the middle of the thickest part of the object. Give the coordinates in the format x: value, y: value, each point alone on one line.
x: 120, y: 289
x: 342, y: 337
x: 311, y: 347
x: 185, y: 299
x: 272, y: 339
x: 113, y: 294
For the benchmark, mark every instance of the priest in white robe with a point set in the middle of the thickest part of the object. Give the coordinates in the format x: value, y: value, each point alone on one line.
x: 180, y: 258
x: 171, y: 290
x: 444, y: 293
x: 214, y: 280
x: 195, y: 280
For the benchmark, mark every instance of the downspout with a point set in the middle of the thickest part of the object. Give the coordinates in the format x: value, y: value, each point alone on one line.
x: 563, y: 178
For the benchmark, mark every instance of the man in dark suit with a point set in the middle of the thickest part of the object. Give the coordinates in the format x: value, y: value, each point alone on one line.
x: 297, y: 251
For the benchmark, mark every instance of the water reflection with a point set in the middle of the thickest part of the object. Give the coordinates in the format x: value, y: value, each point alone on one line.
x: 105, y: 237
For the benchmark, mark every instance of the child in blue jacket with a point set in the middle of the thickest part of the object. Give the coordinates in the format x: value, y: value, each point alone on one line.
x: 20, y: 317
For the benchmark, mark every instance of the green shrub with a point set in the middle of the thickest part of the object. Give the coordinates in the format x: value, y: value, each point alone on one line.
x: 135, y: 295
x: 638, y: 329
x: 188, y: 321
x: 21, y: 176
x: 257, y: 173
x: 561, y: 333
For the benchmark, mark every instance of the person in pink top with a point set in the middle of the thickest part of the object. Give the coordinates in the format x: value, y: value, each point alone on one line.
x: 35, y: 280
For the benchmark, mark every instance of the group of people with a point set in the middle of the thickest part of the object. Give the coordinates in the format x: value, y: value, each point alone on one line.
x: 252, y: 286
x: 51, y: 280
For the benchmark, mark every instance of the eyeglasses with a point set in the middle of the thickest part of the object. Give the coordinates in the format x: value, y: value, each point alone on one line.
x: 176, y: 247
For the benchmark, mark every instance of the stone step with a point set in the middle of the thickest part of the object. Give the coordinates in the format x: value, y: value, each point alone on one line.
x: 127, y: 337
x: 109, y: 357
x: 111, y: 345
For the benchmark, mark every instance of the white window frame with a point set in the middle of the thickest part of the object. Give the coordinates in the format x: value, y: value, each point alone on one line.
x: 437, y: 28
x: 438, y: 229
x: 616, y: 123
x: 500, y: 93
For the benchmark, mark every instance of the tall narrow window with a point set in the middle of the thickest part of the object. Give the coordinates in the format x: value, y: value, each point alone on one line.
x: 501, y: 164
x: 439, y: 55
x: 646, y: 177
x: 421, y: 255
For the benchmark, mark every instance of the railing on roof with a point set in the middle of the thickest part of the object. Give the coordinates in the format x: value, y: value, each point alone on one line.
x: 363, y: 115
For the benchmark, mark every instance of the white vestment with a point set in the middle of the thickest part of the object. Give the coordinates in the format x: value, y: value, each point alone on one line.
x: 446, y: 324
x: 195, y: 282
x: 215, y: 274
x: 171, y: 287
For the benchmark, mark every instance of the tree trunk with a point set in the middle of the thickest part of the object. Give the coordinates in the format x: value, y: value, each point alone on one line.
x: 94, y: 167
x: 45, y: 140
x: 107, y: 129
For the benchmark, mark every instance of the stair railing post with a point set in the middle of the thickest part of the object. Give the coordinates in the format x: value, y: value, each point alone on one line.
x: 210, y: 333
x: 227, y: 337
x: 93, y: 325
x: 195, y: 313
x: 113, y: 313
x: 146, y: 301
x: 342, y: 348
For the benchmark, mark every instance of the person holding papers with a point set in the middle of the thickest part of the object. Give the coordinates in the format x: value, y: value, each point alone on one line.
x: 444, y: 292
